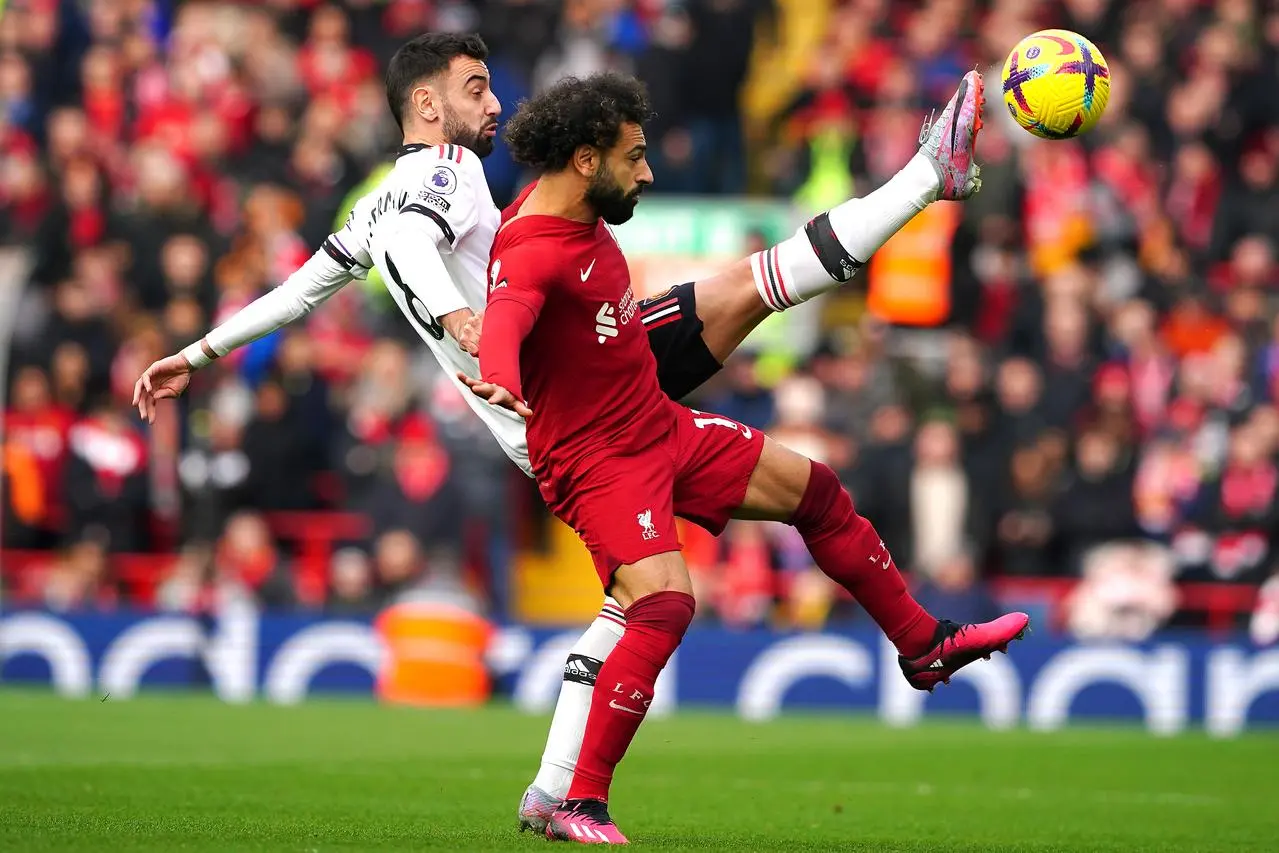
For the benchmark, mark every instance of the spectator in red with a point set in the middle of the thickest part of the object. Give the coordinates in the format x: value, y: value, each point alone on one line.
x: 1150, y: 368
x: 248, y: 563
x: 105, y: 480
x: 1191, y: 327
x: 25, y: 198
x: 1126, y: 167
x: 741, y: 586
x: 1110, y: 407
x: 417, y: 492
x: 1240, y: 509
x: 101, y: 77
x: 77, y: 220
x: 1191, y: 200
x: 327, y: 62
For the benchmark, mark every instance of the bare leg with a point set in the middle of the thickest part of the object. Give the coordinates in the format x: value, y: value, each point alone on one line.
x: 730, y: 308
x: 660, y: 573
x: 777, y: 485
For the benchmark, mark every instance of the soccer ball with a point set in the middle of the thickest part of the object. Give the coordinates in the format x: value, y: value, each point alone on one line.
x: 1056, y: 84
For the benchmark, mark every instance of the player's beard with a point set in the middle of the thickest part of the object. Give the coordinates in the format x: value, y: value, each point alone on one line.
x: 457, y: 132
x: 609, y: 201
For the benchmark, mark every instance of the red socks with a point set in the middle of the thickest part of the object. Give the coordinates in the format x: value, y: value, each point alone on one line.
x: 655, y: 624
x: 846, y: 547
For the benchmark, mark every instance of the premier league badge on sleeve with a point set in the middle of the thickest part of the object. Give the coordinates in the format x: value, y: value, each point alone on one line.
x: 442, y: 181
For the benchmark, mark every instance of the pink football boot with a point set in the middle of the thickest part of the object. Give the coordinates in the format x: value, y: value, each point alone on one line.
x: 960, y: 645
x: 950, y: 142
x: 584, y: 821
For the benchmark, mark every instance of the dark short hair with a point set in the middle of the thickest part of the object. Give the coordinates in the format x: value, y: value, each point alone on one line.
x: 547, y: 129
x: 423, y: 57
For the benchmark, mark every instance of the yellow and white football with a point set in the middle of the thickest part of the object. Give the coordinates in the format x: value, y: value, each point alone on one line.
x: 1056, y: 84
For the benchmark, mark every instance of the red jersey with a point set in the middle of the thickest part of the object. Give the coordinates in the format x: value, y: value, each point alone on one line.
x: 562, y: 332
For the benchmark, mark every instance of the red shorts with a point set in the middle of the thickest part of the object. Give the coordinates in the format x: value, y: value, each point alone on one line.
x: 624, y: 507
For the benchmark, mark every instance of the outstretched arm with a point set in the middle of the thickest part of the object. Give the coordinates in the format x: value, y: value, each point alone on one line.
x: 515, y: 301
x: 508, y: 323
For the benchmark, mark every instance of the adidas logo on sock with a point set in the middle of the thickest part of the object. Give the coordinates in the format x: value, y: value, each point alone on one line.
x: 581, y: 669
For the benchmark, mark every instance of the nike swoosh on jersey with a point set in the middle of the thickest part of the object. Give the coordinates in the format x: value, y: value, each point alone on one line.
x: 586, y: 273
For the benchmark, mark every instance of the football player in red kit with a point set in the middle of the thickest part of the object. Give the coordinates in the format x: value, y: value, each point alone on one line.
x: 617, y: 460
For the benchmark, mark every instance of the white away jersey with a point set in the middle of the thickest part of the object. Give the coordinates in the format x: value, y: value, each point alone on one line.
x: 438, y: 191
x: 427, y: 228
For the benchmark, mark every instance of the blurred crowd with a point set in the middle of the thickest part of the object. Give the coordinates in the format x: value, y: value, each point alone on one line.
x: 1101, y: 404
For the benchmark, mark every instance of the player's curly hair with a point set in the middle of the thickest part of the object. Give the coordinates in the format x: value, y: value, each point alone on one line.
x: 547, y: 129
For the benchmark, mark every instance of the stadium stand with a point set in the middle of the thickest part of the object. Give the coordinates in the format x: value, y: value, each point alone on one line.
x: 1091, y: 428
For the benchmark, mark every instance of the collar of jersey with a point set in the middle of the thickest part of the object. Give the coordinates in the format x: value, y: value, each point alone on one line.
x: 411, y: 148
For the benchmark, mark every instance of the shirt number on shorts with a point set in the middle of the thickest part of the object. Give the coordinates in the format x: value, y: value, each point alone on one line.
x: 703, y: 423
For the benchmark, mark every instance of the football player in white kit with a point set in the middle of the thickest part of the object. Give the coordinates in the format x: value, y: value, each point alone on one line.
x: 428, y: 228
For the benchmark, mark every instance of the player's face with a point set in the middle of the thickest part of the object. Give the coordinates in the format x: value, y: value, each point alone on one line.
x: 469, y: 107
x: 623, y: 174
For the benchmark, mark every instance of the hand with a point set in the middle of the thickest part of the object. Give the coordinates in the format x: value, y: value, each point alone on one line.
x: 496, y: 395
x: 469, y: 336
x: 166, y: 378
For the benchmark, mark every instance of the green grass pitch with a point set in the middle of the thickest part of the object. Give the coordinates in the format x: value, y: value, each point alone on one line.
x: 176, y: 772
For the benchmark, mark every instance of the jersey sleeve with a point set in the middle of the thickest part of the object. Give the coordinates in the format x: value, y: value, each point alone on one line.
x: 347, y: 249
x: 521, y: 274
x: 314, y: 282
x: 519, y: 281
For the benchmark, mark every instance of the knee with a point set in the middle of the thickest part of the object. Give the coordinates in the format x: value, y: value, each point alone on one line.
x: 826, y: 505
x: 668, y: 611
x: 660, y: 574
